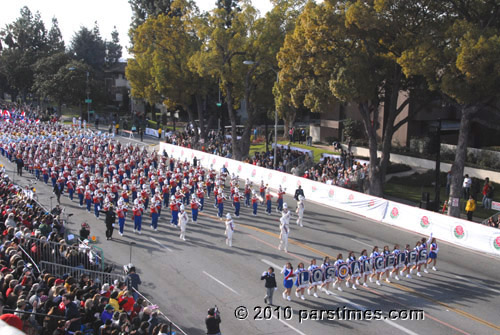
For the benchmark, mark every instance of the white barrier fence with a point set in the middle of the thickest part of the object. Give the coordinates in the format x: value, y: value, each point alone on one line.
x: 453, y: 230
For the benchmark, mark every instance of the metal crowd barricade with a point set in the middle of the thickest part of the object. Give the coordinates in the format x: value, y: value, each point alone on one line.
x: 75, y: 255
x: 76, y: 272
x: 173, y: 328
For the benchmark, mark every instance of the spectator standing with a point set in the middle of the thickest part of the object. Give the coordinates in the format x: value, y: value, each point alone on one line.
x: 270, y: 285
x: 486, y: 189
x: 489, y: 196
x: 133, y: 281
x: 470, y: 207
x: 57, y: 192
x: 110, y: 221
x: 466, y: 186
x: 212, y: 322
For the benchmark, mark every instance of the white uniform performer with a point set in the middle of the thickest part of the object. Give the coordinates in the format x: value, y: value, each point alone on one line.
x: 229, y: 230
x: 284, y: 228
x: 183, y: 220
x: 300, y: 210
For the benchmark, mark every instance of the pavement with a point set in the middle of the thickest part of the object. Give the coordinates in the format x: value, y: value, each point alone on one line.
x: 187, y: 278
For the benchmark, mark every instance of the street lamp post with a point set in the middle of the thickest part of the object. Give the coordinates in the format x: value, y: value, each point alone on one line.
x: 88, y: 99
x: 250, y: 62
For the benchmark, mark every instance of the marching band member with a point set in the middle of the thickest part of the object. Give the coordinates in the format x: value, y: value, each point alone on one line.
x: 268, y: 202
x: 165, y: 190
x: 236, y: 203
x: 220, y: 202
x: 229, y: 230
x: 183, y: 220
x: 353, y: 277
x: 248, y: 193
x: 153, y: 209
x: 338, y: 280
x: 137, y: 214
x: 174, y: 208
x: 124, y: 194
x: 200, y: 193
x: 145, y: 195
x: 397, y: 266
x: 366, y: 272
x: 313, y: 286
x: 284, y: 231
x: 121, y: 212
x: 262, y: 191
x: 70, y: 185
x: 80, y: 190
x: 88, y: 197
x: 255, y: 202
x: 216, y: 193
x: 326, y: 281
x: 280, y: 199
x: 288, y: 274
x: 97, y: 200
x: 194, y: 208
x: 433, y: 250
x: 377, y: 272
x: 300, y: 211
x: 299, y: 291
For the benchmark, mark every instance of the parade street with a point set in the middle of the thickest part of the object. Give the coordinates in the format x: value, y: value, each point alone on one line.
x: 185, y: 278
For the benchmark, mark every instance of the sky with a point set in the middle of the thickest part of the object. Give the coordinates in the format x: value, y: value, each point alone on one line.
x: 72, y: 15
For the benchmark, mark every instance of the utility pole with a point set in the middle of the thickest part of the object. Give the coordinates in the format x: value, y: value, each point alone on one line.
x: 88, y: 99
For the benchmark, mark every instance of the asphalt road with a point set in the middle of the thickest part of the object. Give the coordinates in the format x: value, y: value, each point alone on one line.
x: 186, y: 278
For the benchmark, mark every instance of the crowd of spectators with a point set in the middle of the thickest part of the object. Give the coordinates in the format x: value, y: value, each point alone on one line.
x: 343, y: 171
x: 35, y: 301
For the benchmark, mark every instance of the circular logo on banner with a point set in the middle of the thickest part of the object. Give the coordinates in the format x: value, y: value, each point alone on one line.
x: 226, y: 164
x: 395, y: 213
x: 496, y: 243
x: 371, y: 203
x: 313, y: 189
x: 343, y: 271
x: 254, y: 172
x: 299, y: 183
x: 269, y: 176
x: 239, y: 168
x: 283, y: 180
x: 192, y: 154
x: 424, y: 222
x: 459, y: 232
x: 182, y: 152
x: 351, y: 197
x: 331, y: 193
x: 214, y: 161
x: 172, y: 151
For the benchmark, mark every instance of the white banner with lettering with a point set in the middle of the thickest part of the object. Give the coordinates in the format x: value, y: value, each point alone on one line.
x: 457, y: 231
x: 151, y: 132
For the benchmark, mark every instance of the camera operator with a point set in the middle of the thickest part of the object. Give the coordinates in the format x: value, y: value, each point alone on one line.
x: 213, y: 321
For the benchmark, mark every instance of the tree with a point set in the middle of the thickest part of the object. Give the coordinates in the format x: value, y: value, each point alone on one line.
x: 87, y: 46
x: 345, y: 52
x: 55, y: 41
x: 113, y: 49
x: 226, y: 36
x: 457, y: 51
x: 26, y: 41
x: 144, y: 9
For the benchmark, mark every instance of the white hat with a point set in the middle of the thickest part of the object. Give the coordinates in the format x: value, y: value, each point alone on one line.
x: 172, y: 197
x: 285, y: 205
x: 182, y: 207
x: 193, y: 196
x: 228, y: 215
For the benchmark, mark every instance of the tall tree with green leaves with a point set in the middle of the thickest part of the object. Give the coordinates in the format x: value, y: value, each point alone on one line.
x: 113, y: 49
x: 345, y: 52
x: 24, y: 41
x: 88, y: 46
x: 457, y: 51
x: 55, y: 40
x: 144, y: 9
